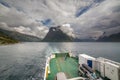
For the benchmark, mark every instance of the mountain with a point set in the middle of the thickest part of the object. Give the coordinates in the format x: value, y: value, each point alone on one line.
x: 19, y: 36
x: 83, y: 40
x: 55, y: 34
x: 6, y: 40
x: 111, y: 38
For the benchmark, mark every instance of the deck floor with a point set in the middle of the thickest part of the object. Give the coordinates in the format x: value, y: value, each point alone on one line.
x: 69, y: 66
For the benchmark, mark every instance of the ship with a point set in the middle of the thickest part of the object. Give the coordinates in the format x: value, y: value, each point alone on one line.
x: 68, y: 66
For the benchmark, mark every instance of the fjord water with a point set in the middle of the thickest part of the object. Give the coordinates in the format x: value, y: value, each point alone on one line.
x: 26, y: 61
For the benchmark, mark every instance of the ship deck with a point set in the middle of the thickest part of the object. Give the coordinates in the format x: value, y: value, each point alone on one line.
x: 63, y: 63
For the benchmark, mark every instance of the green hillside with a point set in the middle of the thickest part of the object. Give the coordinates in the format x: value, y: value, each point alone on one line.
x: 19, y: 36
x: 4, y: 39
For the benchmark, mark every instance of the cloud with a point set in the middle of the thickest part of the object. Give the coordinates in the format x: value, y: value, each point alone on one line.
x: 88, y: 18
x: 5, y: 4
x: 39, y: 31
x: 100, y: 18
x: 12, y: 19
x: 66, y: 28
x: 24, y: 30
x: 4, y: 26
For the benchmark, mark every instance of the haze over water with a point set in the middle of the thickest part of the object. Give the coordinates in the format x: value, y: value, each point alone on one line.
x: 26, y: 61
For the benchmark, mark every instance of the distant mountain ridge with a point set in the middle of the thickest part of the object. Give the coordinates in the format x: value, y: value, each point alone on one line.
x: 55, y: 34
x: 84, y: 40
x: 111, y: 38
x: 19, y: 36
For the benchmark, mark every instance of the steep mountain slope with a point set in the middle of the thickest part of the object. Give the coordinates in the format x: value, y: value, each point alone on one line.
x: 111, y: 38
x: 19, y: 36
x: 57, y: 35
x: 6, y: 40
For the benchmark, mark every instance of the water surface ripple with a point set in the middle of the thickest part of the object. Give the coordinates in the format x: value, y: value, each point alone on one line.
x: 26, y: 61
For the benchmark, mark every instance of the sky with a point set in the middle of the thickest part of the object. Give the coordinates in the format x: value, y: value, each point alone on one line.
x: 83, y: 18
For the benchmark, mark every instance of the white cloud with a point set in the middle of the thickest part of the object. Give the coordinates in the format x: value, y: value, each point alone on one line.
x: 66, y: 28
x: 38, y: 31
x: 13, y: 17
x: 4, y: 26
x: 101, y: 16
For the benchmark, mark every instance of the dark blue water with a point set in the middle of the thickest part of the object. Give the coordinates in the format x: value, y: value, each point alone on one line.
x: 26, y: 61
